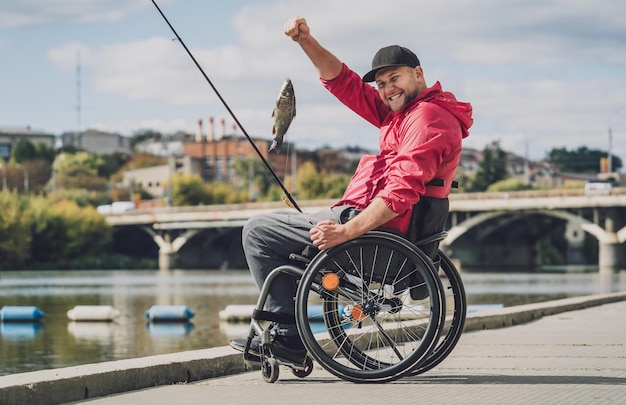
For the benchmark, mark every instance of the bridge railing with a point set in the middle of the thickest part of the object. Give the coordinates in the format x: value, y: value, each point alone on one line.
x: 305, y: 204
x: 565, y: 192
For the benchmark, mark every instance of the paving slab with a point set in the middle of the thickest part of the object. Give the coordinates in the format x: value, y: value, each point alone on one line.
x: 568, y: 351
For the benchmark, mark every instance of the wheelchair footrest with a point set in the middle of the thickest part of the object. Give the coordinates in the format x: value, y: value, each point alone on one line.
x: 278, y: 317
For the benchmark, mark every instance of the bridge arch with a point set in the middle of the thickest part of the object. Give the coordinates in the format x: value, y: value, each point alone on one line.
x: 608, y: 242
x: 458, y: 230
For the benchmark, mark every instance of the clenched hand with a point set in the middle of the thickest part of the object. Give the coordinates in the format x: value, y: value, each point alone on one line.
x: 327, y: 234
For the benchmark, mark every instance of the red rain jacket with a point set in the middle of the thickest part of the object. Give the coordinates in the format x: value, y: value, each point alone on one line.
x: 420, y: 143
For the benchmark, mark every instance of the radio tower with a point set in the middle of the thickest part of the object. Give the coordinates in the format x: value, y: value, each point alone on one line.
x: 78, y: 102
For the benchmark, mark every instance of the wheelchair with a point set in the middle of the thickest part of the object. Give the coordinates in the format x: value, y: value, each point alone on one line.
x: 374, y: 309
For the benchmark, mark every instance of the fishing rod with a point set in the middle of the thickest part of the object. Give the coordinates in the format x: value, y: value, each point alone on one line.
x: 293, y: 202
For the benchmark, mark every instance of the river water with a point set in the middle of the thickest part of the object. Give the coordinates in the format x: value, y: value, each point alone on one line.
x: 56, y: 341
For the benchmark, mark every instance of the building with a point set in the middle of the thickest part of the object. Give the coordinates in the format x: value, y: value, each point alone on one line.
x: 155, y: 180
x: 164, y: 145
x: 97, y: 142
x: 9, y: 137
x: 470, y: 160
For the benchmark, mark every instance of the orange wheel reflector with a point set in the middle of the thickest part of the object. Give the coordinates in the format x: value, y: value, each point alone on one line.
x: 330, y: 281
x: 357, y: 313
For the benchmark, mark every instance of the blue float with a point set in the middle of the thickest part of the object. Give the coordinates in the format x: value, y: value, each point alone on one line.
x: 20, y: 314
x: 315, y: 313
x: 169, y: 313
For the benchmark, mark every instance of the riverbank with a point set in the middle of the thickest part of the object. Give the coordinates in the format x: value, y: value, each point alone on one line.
x: 110, y: 378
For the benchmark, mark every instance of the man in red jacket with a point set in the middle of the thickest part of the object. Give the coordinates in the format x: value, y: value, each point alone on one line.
x: 421, y: 132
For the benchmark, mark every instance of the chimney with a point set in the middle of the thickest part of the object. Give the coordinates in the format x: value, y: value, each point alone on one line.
x: 199, y: 132
x: 234, y: 129
x: 210, y: 136
x: 223, y: 122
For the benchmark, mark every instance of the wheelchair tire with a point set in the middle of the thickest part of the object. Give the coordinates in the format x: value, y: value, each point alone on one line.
x: 375, y: 327
x: 456, y: 312
x: 270, y: 369
x: 306, y: 371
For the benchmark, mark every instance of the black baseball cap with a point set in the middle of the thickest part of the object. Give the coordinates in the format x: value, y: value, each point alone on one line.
x: 390, y: 56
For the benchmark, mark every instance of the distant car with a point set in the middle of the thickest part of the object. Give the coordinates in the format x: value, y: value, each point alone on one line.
x: 598, y: 188
x: 117, y: 207
x: 104, y: 209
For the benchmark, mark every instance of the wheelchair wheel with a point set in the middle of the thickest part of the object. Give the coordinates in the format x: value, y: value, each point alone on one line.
x: 270, y: 369
x: 456, y: 311
x: 370, y: 310
x: 304, y: 372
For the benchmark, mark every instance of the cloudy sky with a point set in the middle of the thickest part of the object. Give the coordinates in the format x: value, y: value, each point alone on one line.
x: 540, y: 74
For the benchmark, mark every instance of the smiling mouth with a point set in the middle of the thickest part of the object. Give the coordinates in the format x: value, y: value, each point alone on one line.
x: 395, y: 97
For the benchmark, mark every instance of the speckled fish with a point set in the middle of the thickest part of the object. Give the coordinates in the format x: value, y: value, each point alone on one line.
x: 283, y: 114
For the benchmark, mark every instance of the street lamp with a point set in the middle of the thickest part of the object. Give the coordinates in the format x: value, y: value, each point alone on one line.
x: 610, y: 150
x: 53, y: 180
x: 25, y: 177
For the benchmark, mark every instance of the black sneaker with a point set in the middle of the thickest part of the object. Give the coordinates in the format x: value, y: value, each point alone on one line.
x: 287, y: 348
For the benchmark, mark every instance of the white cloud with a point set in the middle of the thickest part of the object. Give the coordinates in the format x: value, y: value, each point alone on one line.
x: 43, y: 12
x: 542, y: 73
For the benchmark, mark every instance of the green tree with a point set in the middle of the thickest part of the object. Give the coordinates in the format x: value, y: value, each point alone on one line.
x: 510, y: 184
x: 88, y: 233
x: 111, y: 163
x: 63, y: 231
x: 581, y: 160
x: 22, y: 151
x: 25, y: 151
x: 263, y: 183
x: 310, y: 183
x: 49, y: 237
x: 14, y: 232
x: 80, y: 196
x: 491, y: 169
x: 335, y: 185
x: 79, y: 170
x: 44, y: 152
x: 189, y: 189
x: 464, y: 180
x: 222, y: 193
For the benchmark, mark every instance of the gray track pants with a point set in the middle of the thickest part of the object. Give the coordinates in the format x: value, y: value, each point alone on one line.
x: 269, y: 239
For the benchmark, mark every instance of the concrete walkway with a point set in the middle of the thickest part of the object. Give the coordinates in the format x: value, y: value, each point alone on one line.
x: 574, y: 352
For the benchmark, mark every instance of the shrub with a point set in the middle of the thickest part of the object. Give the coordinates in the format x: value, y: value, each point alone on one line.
x: 14, y: 232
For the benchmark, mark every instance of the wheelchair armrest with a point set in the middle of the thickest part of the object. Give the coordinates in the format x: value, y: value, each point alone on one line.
x: 299, y: 258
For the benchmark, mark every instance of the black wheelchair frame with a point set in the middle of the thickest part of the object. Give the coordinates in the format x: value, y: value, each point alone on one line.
x: 374, y: 309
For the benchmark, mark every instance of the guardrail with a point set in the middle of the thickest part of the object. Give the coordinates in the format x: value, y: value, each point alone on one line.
x: 565, y: 192
x: 553, y: 193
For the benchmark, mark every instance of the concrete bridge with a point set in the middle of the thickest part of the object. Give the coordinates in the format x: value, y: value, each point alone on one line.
x: 505, y: 224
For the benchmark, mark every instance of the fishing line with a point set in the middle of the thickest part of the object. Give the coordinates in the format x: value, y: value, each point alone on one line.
x: 288, y: 195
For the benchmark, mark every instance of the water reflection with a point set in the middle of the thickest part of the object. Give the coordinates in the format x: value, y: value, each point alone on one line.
x: 169, y: 329
x: 19, y: 330
x: 99, y: 332
x: 235, y: 329
x: 60, y: 342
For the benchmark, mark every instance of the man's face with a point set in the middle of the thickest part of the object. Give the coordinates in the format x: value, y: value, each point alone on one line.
x: 397, y: 86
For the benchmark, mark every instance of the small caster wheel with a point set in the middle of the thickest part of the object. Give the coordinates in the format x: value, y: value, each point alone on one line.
x: 270, y: 370
x: 308, y: 368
